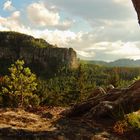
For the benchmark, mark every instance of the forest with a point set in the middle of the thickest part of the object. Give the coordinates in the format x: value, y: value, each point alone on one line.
x: 46, y: 92
x: 77, y: 89
x: 69, y: 86
x: 41, y: 84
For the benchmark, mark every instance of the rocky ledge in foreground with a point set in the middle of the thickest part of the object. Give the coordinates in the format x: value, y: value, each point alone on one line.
x: 89, y: 120
x: 47, y: 123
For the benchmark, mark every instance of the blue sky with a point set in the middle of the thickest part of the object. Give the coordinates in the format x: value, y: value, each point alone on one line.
x: 96, y: 29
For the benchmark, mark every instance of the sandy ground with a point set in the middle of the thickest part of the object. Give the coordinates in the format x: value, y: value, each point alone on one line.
x: 48, y: 124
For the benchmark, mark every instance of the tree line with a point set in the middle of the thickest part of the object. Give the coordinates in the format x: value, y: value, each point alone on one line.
x: 21, y: 87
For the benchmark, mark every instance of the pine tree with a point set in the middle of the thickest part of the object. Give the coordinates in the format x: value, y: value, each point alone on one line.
x: 20, y: 84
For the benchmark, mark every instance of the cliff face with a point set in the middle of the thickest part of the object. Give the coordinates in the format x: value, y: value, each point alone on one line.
x: 136, y: 4
x: 49, y: 57
x: 35, y: 52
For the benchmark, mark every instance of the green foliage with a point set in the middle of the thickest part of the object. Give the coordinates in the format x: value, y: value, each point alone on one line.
x: 19, y: 85
x: 134, y: 120
x: 136, y: 79
x: 113, y: 78
x: 124, y: 83
x: 9, y: 38
x: 63, y: 88
x: 68, y: 87
x: 130, y: 122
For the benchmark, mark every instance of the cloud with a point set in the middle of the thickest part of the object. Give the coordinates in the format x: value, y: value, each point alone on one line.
x: 109, y: 51
x: 12, y: 22
x: 38, y: 13
x: 43, y: 15
x: 85, y: 55
x: 8, y: 6
x: 101, y: 29
x: 60, y: 38
x: 90, y: 47
x: 97, y: 9
x: 55, y: 37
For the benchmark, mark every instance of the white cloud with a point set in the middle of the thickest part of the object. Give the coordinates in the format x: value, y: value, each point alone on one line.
x: 90, y: 46
x: 114, y: 32
x: 38, y: 13
x: 109, y: 51
x: 55, y: 37
x: 11, y: 22
x: 8, y: 5
x: 85, y: 55
x: 42, y: 15
x: 126, y: 49
x: 60, y: 38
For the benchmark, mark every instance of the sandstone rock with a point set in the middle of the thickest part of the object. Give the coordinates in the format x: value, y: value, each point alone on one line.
x: 110, y: 87
x: 97, y: 92
x: 35, y: 52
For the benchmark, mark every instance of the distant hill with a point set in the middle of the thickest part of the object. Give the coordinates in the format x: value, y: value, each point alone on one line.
x: 117, y: 63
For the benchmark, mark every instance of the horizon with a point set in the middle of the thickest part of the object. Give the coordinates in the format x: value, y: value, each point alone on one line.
x: 89, y: 27
x: 108, y: 60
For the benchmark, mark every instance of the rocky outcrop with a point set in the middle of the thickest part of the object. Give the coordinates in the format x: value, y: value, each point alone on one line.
x: 112, y: 103
x: 35, y: 52
x: 136, y: 4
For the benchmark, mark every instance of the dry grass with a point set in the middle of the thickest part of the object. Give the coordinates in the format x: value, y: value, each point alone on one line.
x: 21, y: 119
x: 49, y: 119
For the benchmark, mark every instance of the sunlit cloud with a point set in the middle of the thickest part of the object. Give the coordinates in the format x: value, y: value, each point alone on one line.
x: 42, y: 15
x: 96, y: 29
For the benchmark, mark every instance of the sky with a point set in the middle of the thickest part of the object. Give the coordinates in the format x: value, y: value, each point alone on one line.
x: 96, y: 29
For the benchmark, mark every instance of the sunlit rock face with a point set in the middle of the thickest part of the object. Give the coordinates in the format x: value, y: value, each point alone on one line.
x: 35, y: 52
x: 136, y: 4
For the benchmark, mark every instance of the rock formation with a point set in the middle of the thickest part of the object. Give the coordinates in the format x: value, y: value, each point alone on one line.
x: 114, y: 101
x: 35, y: 52
x: 104, y: 105
x: 136, y: 4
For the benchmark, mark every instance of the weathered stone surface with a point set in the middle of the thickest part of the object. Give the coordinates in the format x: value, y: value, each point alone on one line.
x: 97, y: 92
x: 37, y: 52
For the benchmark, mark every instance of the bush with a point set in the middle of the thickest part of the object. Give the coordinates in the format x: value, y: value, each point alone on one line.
x: 34, y: 100
x: 18, y: 86
x: 134, y: 120
x: 121, y: 127
x: 130, y: 122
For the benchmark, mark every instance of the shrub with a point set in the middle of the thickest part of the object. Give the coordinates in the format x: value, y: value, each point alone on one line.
x: 121, y: 126
x: 34, y: 100
x: 136, y: 79
x: 134, y: 120
x: 130, y: 122
x: 19, y: 85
